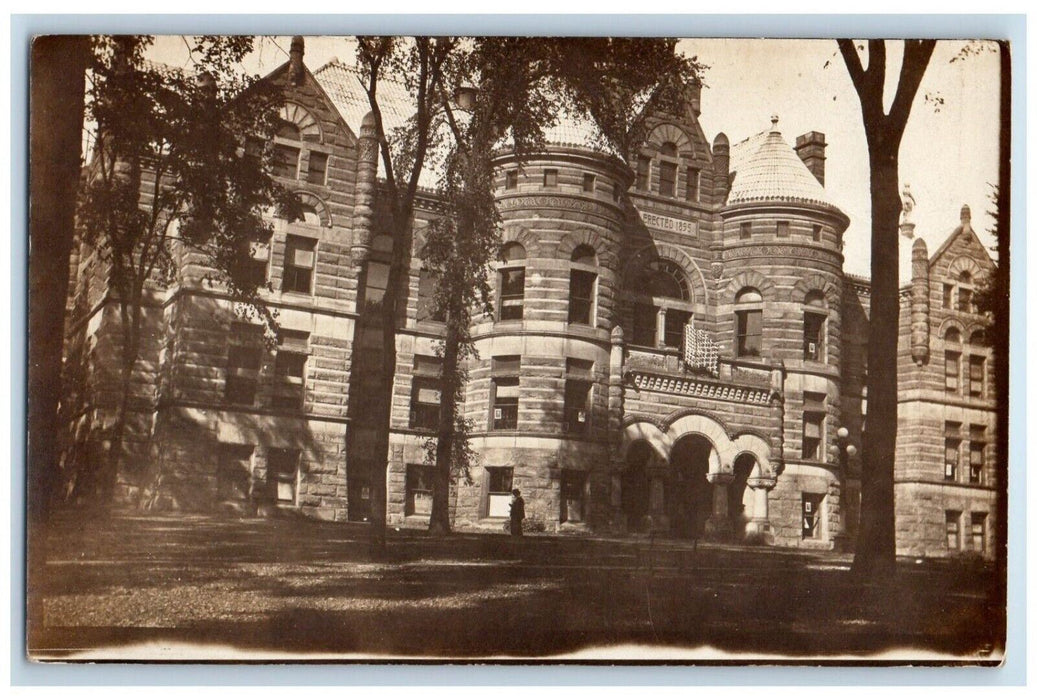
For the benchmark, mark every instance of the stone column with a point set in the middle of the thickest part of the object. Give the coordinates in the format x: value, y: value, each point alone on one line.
x: 660, y: 328
x: 759, y: 524
x: 719, y: 522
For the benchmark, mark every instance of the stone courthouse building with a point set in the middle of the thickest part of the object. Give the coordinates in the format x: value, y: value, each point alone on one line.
x: 675, y: 346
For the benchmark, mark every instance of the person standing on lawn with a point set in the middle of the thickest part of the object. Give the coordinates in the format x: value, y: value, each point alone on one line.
x: 518, y: 512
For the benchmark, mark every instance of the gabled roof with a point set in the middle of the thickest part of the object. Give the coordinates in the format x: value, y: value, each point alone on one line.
x: 767, y: 169
x: 964, y: 227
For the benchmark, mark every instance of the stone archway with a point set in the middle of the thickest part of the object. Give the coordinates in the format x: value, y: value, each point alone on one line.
x: 689, y: 493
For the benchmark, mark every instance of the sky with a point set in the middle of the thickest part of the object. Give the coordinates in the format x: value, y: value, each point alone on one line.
x: 948, y: 154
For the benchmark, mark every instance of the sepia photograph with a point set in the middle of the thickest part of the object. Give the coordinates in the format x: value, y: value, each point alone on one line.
x: 524, y: 349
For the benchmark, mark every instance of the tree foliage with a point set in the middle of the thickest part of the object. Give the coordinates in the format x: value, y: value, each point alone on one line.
x: 181, y: 165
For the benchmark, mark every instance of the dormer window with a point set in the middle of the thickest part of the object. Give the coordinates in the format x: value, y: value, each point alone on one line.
x: 299, y: 146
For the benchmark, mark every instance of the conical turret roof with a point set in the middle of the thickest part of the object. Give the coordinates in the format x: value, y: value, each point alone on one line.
x: 767, y: 169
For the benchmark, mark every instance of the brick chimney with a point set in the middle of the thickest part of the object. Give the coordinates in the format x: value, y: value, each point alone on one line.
x: 296, y: 70
x: 810, y: 147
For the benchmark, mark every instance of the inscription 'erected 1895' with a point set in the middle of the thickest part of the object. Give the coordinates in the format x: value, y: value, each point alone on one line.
x: 668, y: 223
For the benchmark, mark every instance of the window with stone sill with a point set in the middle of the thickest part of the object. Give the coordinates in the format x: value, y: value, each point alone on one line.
x: 259, y: 260
x: 418, y: 490
x: 978, y: 521
x: 244, y: 360
x: 583, y: 278
x: 588, y: 182
x: 498, y: 492
x: 815, y: 317
x: 282, y: 474
x: 550, y: 177
x: 813, y: 425
x: 782, y: 230
x: 977, y: 452
x: 504, y: 401
x: 298, y: 131
x: 289, y: 390
x: 952, y: 528
x: 299, y: 262
x: 577, y: 406
x: 977, y: 375
x: 511, y: 180
x: 811, y: 504
x: 511, y: 281
x: 574, y: 484
x: 427, y: 311
x: 663, y: 305
x: 317, y: 172
x: 951, y: 450
x: 425, y: 403
x: 691, y: 186
x: 745, y: 230
x: 748, y: 323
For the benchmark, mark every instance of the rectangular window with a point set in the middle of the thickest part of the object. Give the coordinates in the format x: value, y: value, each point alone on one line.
x: 418, y: 491
x: 282, y: 474
x: 504, y: 393
x: 952, y: 519
x: 644, y: 325
x: 290, y: 370
x: 498, y: 491
x: 814, y: 337
x: 286, y: 161
x: 673, y: 334
x: 952, y: 371
x: 817, y: 233
x: 644, y: 173
x: 667, y: 179
x: 750, y: 332
x: 427, y: 311
x: 964, y: 300
x: 244, y: 358
x: 512, y: 290
x: 617, y: 192
x: 235, y: 472
x: 977, y: 370
x: 577, y: 406
x: 811, y: 507
x: 573, y: 486
x: 691, y: 187
x: 376, y: 280
x: 259, y: 260
x: 951, y: 450
x: 948, y: 295
x: 424, y: 403
x: 977, y: 450
x: 581, y: 296
x: 588, y: 182
x: 318, y: 169
x: 783, y: 229
x: 299, y: 258
x: 979, y: 532
x: 813, y: 425
x: 550, y: 177
x: 745, y: 230
x: 511, y: 180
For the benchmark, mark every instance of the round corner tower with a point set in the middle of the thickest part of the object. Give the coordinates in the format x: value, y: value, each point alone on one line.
x: 779, y: 303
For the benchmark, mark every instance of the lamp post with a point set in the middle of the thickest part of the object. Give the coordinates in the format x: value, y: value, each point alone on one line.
x: 843, y: 449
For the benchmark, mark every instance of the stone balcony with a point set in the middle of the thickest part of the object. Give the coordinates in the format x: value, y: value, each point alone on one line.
x: 662, y: 370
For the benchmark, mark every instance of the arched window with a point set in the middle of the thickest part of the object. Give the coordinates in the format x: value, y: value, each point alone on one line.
x: 583, y: 278
x: 511, y: 281
x: 663, y: 305
x: 815, y: 316
x: 748, y: 322
x: 298, y: 146
x: 952, y: 360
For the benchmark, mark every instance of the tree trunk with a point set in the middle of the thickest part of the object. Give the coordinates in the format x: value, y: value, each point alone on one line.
x: 876, y: 545
x: 439, y: 522
x: 55, y: 142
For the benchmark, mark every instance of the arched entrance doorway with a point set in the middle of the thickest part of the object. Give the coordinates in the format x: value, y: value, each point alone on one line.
x: 743, y: 467
x: 689, y: 495
x: 634, y: 487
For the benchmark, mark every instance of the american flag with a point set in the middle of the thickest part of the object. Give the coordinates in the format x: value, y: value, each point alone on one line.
x: 700, y: 350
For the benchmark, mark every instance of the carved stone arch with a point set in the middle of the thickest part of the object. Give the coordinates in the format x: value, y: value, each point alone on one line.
x: 966, y: 335
x: 662, y: 251
x: 807, y: 284
x: 709, y: 427
x: 646, y: 430
x: 964, y: 263
x: 948, y: 324
x: 671, y: 132
x: 750, y: 278
x: 309, y: 125
x: 752, y: 443
x: 523, y: 236
x: 318, y: 204
x: 570, y: 241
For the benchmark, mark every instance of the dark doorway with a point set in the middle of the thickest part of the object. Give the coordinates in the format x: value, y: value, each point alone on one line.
x: 634, y: 485
x: 743, y: 467
x: 689, y: 495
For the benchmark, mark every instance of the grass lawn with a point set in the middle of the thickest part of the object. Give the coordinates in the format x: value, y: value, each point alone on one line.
x: 193, y: 587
